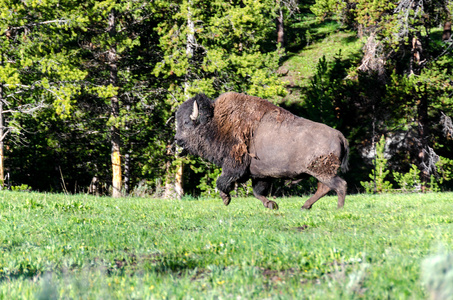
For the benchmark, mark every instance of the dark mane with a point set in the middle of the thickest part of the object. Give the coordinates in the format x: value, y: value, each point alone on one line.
x: 225, y: 139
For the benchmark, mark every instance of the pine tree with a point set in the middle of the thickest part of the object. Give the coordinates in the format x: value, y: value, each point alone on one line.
x: 35, y: 70
x: 378, y: 184
x: 228, y: 49
x: 115, y: 45
x: 409, y: 59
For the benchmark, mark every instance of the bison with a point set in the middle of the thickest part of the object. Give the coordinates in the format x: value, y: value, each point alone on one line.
x: 249, y: 137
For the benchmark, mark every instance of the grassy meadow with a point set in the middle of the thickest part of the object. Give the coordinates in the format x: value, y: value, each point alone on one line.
x: 86, y: 247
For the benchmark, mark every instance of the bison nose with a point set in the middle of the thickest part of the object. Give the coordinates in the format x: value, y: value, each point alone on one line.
x: 180, y: 143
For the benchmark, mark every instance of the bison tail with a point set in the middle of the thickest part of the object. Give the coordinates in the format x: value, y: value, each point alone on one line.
x: 344, y: 154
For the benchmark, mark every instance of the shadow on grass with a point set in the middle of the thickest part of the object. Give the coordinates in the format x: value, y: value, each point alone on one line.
x: 127, y: 265
x: 303, y: 34
x: 25, y: 271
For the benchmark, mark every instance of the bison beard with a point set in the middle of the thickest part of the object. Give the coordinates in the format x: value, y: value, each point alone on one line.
x: 250, y: 137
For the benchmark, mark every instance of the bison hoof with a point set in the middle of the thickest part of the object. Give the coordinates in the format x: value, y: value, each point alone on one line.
x: 226, y: 201
x: 226, y: 198
x: 305, y: 207
x: 271, y: 205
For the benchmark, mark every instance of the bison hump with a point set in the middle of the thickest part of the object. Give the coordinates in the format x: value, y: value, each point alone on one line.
x: 238, y: 115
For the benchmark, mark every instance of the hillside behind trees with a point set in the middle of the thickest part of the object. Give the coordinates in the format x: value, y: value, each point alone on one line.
x: 88, y: 89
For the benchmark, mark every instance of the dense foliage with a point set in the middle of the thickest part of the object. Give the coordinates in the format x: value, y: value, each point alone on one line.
x: 83, y: 83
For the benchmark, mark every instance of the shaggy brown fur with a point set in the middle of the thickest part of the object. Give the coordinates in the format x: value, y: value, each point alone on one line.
x: 250, y: 137
x: 325, y: 166
x: 238, y: 115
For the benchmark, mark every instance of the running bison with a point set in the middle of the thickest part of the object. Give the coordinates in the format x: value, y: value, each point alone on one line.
x: 250, y: 137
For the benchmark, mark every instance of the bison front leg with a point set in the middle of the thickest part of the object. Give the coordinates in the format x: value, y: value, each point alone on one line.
x: 225, y: 184
x: 260, y: 190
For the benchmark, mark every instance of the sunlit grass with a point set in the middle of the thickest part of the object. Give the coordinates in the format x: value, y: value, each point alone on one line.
x: 90, y: 247
x: 302, y: 65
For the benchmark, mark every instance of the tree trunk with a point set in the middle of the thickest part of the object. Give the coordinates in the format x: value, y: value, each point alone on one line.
x: 127, y: 173
x: 115, y: 111
x: 169, y: 184
x: 2, y: 129
x: 189, y: 52
x: 280, y: 28
x: 422, y: 111
x: 2, y: 133
x: 416, y: 59
x: 179, y: 190
x: 116, y: 159
x: 447, y: 31
x: 93, y: 189
x: 127, y: 159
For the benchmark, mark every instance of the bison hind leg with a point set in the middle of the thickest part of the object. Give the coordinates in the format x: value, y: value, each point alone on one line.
x: 339, y: 185
x: 320, y: 192
x: 260, y: 190
x: 324, y: 186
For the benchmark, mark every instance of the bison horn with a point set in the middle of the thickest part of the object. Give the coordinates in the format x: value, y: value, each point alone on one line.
x: 194, y: 114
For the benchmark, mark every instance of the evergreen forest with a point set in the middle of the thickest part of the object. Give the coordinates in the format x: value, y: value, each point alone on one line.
x: 89, y: 89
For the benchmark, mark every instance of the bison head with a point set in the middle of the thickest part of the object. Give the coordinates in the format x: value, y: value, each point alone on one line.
x: 192, y: 115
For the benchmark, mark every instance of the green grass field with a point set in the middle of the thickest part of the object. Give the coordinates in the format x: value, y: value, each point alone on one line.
x: 84, y: 247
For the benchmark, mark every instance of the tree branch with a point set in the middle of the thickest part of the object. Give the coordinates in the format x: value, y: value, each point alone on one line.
x: 27, y: 26
x: 4, y: 134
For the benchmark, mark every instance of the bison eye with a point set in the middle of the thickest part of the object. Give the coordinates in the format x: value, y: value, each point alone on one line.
x: 188, y: 123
